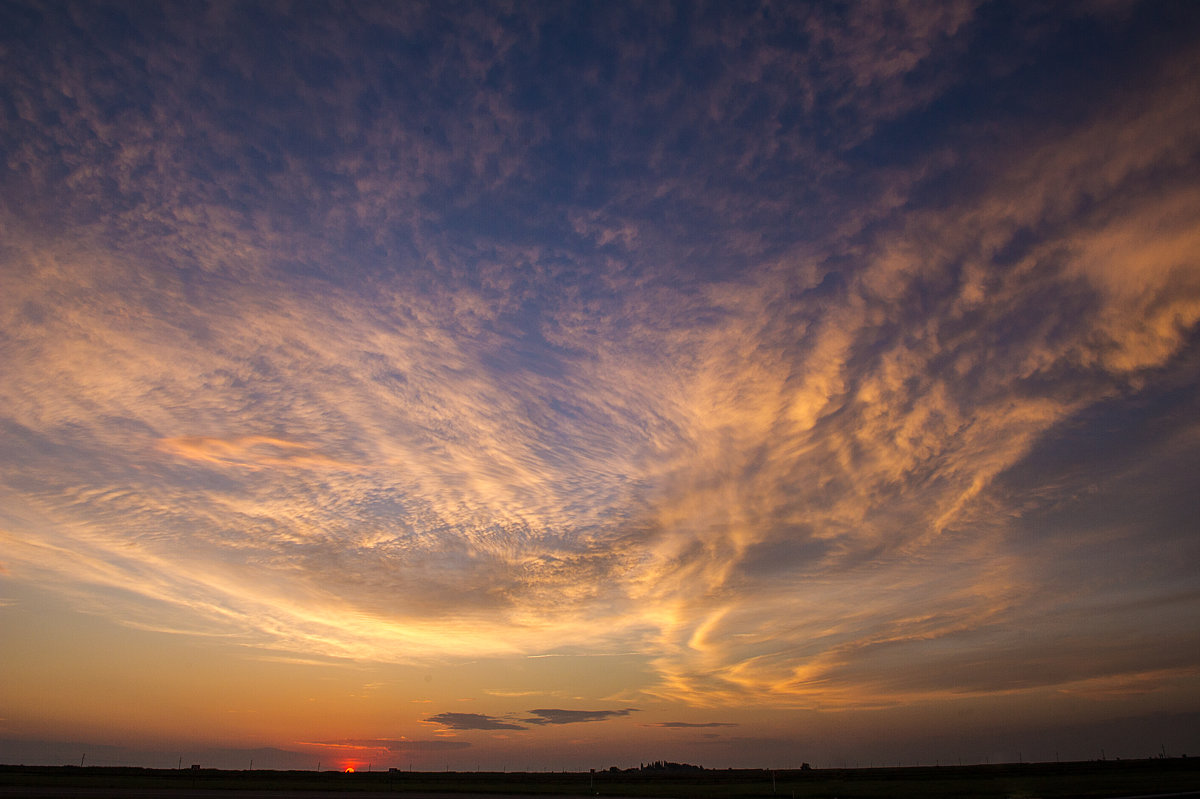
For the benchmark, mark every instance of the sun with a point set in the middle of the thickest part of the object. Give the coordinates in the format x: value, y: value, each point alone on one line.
x: 349, y: 769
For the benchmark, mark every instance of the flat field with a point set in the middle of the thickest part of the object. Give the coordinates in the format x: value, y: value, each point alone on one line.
x: 1086, y: 780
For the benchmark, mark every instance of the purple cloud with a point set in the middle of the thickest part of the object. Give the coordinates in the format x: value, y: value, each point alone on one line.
x: 557, y: 716
x: 472, y: 721
x: 395, y: 744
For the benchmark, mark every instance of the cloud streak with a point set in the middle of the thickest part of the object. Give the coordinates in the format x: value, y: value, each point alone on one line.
x: 540, y: 717
x: 686, y: 725
x: 392, y: 745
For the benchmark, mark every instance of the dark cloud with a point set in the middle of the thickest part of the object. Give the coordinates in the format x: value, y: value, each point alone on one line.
x: 542, y: 716
x: 556, y: 716
x: 472, y: 721
x: 397, y: 744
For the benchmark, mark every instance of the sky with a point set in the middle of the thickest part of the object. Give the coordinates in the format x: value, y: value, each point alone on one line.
x: 559, y: 385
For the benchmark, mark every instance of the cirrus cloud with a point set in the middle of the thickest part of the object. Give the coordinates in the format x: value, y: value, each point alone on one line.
x: 760, y: 342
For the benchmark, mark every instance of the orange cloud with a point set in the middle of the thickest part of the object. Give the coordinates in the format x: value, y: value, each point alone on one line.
x: 251, y: 452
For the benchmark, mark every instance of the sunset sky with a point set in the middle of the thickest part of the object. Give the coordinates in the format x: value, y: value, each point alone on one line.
x: 545, y: 385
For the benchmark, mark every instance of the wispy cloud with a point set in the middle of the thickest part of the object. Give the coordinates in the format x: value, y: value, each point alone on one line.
x: 755, y: 342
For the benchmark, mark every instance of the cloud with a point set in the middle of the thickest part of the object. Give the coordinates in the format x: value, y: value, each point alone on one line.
x: 249, y: 452
x: 472, y: 721
x: 544, y: 716
x: 393, y: 744
x: 556, y: 716
x: 693, y: 725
